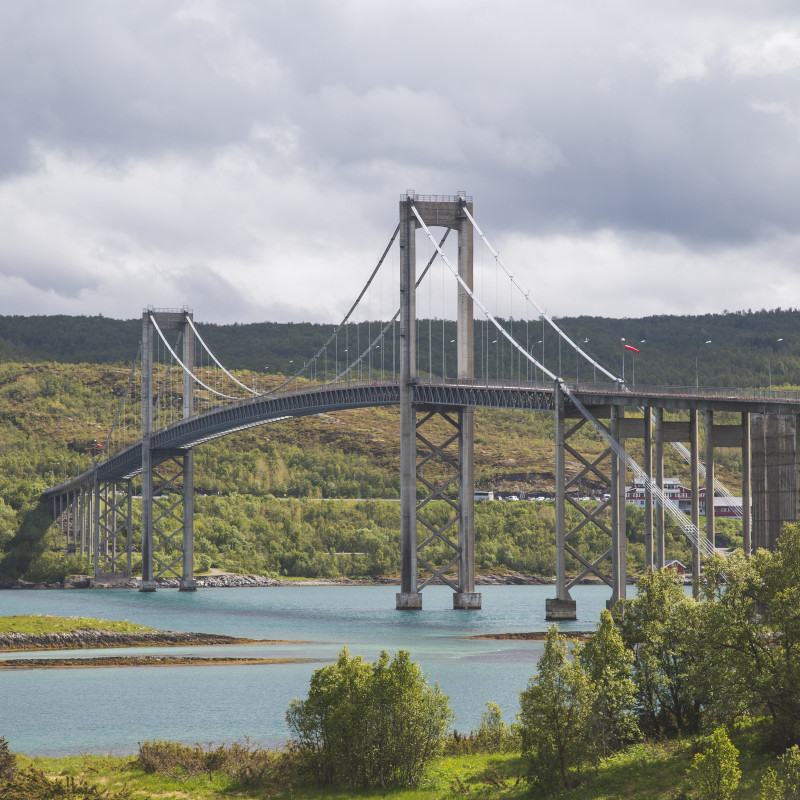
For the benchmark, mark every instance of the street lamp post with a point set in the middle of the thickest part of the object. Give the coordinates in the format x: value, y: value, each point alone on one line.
x: 633, y: 363
x: 623, y: 358
x: 696, y: 365
x: 769, y: 364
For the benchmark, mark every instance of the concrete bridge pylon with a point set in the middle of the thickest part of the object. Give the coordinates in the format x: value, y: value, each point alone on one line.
x: 166, y: 473
x: 416, y: 533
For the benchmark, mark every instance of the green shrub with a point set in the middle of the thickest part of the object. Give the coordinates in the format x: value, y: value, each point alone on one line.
x: 783, y: 783
x: 33, y: 784
x: 715, y: 772
x: 8, y: 761
x: 177, y: 760
x: 369, y: 725
x: 252, y: 767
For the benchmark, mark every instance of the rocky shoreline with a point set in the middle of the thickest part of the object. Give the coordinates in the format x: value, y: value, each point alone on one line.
x: 95, y: 639
x: 534, y: 636
x: 142, y: 661
x: 232, y: 580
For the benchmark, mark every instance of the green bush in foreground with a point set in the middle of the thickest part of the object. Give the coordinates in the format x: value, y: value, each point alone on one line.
x: 32, y: 784
x: 783, y: 783
x: 8, y: 761
x: 715, y: 772
x: 367, y: 725
x: 250, y: 766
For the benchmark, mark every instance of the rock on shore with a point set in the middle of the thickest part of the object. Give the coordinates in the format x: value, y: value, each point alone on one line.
x: 100, y: 638
x: 228, y: 579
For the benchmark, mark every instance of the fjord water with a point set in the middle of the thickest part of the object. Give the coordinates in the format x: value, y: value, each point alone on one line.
x: 109, y: 710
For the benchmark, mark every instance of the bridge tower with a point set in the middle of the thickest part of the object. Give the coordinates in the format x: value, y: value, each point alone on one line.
x: 418, y: 450
x: 167, y: 523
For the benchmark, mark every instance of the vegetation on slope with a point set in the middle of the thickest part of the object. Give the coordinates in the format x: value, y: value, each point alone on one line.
x: 259, y: 491
x: 38, y: 624
x: 55, y: 409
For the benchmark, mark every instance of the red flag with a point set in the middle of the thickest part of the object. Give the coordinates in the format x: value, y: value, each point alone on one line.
x: 629, y: 347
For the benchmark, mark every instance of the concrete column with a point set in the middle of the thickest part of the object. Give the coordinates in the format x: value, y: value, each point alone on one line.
x: 129, y: 523
x: 188, y: 583
x: 74, y: 522
x: 618, y: 550
x: 408, y: 597
x: 621, y: 570
x: 96, y: 528
x: 708, y: 424
x: 82, y: 545
x: 695, y: 486
x: 648, y: 492
x: 562, y: 606
x: 113, y: 527
x: 747, y: 500
x: 147, y: 584
x: 465, y: 321
x: 660, y: 543
x: 466, y: 597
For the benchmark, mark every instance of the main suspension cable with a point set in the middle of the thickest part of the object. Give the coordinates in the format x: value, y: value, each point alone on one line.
x: 527, y: 295
x: 185, y: 368
x: 686, y: 525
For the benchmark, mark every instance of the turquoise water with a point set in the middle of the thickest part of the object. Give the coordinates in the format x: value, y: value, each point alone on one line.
x: 72, y: 711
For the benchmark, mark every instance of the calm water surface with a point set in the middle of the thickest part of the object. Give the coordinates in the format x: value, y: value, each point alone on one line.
x: 72, y: 711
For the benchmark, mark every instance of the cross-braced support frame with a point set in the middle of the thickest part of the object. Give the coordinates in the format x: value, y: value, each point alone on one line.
x: 601, y: 470
x: 113, y: 545
x: 443, y: 529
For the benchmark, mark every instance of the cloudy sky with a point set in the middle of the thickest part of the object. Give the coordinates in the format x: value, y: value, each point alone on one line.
x: 246, y: 157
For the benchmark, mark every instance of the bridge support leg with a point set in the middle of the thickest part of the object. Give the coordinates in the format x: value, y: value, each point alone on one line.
x: 747, y: 501
x: 708, y: 427
x: 409, y: 598
x: 648, y: 491
x: 147, y: 583
x: 695, y: 481
x: 660, y: 542
x: 562, y: 606
x: 619, y: 551
x: 466, y: 597
x: 188, y: 583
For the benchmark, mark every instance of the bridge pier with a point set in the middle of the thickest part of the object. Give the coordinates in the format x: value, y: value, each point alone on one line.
x: 419, y: 533
x: 166, y: 550
x: 775, y: 477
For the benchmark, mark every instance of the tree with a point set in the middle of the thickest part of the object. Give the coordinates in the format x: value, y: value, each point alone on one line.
x: 369, y: 725
x: 663, y: 628
x: 715, y: 772
x: 493, y: 736
x: 555, y: 716
x: 608, y: 666
x: 753, y: 633
x: 783, y: 783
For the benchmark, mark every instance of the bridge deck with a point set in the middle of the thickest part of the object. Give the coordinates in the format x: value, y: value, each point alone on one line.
x: 537, y: 396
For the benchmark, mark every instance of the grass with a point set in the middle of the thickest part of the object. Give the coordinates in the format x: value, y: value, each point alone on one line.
x: 40, y: 624
x: 646, y: 771
x: 482, y: 775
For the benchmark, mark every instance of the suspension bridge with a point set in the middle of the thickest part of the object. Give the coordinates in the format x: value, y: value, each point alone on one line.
x: 459, y: 334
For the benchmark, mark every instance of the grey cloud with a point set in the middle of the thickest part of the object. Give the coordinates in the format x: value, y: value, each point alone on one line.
x: 227, y: 135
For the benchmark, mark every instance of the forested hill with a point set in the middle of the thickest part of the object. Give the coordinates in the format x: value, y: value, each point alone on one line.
x: 745, y: 346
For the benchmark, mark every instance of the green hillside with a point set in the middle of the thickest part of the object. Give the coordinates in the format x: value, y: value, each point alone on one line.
x: 272, y: 499
x: 744, y: 351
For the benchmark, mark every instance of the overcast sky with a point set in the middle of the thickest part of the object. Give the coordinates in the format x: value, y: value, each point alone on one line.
x: 246, y: 158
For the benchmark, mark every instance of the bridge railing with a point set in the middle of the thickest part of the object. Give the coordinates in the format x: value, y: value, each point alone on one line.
x: 740, y: 393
